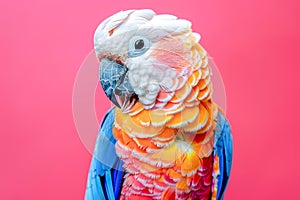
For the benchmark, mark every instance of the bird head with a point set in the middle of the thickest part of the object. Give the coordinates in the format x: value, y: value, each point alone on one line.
x: 146, y: 58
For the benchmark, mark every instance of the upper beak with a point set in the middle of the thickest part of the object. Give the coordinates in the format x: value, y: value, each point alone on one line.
x: 115, y: 83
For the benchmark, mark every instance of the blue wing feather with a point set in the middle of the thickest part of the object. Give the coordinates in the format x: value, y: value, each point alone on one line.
x: 106, y: 171
x: 223, y: 149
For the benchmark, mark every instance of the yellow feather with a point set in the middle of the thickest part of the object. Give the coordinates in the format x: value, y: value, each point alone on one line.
x: 159, y: 119
x: 190, y: 164
x: 181, y: 94
x: 183, y: 118
x: 199, y: 122
x: 182, y: 185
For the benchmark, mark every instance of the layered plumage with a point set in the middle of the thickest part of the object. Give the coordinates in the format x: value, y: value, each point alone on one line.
x: 166, y: 139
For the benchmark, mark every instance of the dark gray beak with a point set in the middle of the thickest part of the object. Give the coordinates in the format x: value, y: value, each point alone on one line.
x: 115, y: 83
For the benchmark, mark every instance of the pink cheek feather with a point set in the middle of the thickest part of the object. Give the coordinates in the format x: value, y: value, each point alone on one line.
x: 170, y: 53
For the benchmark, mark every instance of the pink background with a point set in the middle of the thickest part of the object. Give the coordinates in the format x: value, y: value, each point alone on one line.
x: 254, y: 44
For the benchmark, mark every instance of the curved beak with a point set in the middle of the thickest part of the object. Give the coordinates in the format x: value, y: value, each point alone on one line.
x: 115, y: 83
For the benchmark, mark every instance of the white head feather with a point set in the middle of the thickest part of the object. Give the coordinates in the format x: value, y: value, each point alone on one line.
x: 147, y: 76
x: 125, y: 24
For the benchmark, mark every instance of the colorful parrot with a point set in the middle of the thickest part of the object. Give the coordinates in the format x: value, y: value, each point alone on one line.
x: 165, y: 138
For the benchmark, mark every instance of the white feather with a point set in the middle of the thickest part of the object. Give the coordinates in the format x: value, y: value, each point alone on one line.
x: 145, y: 13
x: 164, y: 17
x: 197, y: 37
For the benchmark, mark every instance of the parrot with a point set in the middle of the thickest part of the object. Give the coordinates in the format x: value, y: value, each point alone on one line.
x: 164, y: 137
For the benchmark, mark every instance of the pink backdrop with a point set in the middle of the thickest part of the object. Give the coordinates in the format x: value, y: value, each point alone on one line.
x: 254, y: 44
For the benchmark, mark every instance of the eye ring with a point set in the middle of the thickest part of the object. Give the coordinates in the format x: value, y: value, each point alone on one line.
x: 138, y: 45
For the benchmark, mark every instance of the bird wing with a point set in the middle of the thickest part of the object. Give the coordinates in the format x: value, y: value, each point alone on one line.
x: 222, y: 157
x: 106, y: 171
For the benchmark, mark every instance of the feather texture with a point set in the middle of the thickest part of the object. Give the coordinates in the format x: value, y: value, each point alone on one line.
x: 106, y: 171
x: 223, y: 157
x: 173, y: 143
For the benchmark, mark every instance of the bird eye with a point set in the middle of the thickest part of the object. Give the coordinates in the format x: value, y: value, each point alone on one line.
x: 138, y: 45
